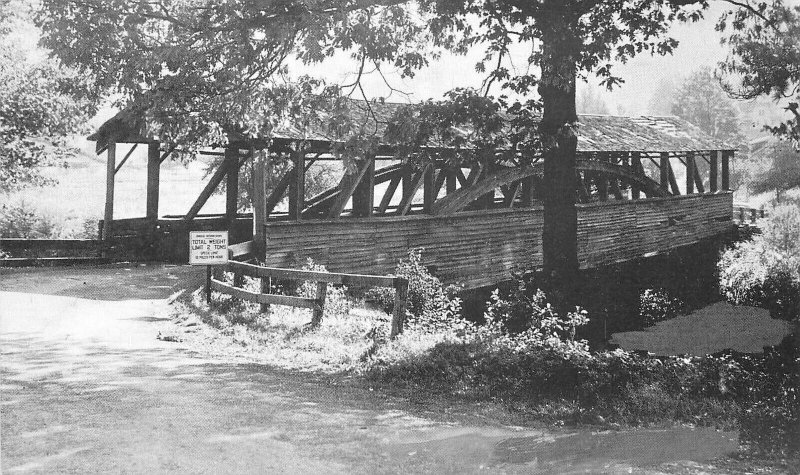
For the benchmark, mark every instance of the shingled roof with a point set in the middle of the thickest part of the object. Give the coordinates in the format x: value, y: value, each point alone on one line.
x: 596, y: 133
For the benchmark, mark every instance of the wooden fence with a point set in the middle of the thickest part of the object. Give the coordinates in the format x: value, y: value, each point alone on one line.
x: 744, y: 213
x: 316, y: 304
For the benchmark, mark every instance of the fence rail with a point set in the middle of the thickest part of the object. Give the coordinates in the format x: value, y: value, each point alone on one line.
x: 316, y: 304
x: 744, y: 213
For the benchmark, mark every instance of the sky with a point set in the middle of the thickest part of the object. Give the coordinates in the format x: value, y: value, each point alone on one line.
x: 699, y: 45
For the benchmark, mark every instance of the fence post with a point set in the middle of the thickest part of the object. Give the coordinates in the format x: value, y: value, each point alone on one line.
x: 399, y: 314
x: 265, y: 287
x: 208, y: 285
x: 319, y: 310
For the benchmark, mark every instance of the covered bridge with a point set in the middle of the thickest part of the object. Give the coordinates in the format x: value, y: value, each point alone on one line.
x: 645, y: 185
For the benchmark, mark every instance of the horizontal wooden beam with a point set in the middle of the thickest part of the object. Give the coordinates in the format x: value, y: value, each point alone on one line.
x: 242, y: 294
x: 315, y: 276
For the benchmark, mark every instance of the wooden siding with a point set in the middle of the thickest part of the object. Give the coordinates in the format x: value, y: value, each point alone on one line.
x: 612, y: 232
x: 480, y: 248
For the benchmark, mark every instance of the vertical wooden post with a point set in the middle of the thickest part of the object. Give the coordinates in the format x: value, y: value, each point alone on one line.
x: 663, y: 169
x: 364, y: 194
x: 153, y: 176
x: 319, y: 308
x: 689, y: 173
x: 399, y: 312
x: 527, y: 191
x: 636, y: 164
x: 726, y: 177
x: 208, y: 285
x: 451, y: 180
x: 259, y: 201
x: 602, y: 181
x: 297, y: 188
x: 108, y: 216
x: 232, y: 191
x: 713, y: 181
x: 408, y: 181
x: 428, y: 191
x: 265, y: 289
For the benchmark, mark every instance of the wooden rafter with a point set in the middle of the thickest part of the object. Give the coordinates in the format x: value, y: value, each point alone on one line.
x: 389, y: 194
x: 346, y: 187
x: 411, y: 192
x: 276, y: 195
x: 464, y: 196
x: 125, y: 158
x: 212, y: 185
x: 510, y: 194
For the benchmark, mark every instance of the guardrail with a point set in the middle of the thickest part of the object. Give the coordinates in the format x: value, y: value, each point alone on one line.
x: 316, y: 304
x: 743, y: 213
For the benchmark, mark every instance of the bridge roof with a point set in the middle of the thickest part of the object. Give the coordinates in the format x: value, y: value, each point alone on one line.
x: 596, y: 133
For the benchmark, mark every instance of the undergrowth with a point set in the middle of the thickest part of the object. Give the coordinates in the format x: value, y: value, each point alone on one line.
x: 525, y: 356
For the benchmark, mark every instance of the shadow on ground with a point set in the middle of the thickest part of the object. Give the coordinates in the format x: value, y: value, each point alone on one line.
x: 87, y: 388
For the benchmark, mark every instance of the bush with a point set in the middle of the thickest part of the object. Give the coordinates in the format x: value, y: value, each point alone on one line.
x: 765, y: 272
x: 771, y: 423
x: 753, y: 273
x: 336, y: 302
x: 656, y: 305
x: 23, y: 221
x: 431, y: 306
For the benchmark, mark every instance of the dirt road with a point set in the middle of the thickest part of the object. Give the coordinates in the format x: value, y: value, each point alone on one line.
x: 87, y: 388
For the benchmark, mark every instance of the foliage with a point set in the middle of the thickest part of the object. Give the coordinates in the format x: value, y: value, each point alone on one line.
x: 701, y: 100
x: 771, y: 424
x: 337, y: 303
x: 22, y: 221
x: 431, y: 306
x: 40, y: 103
x: 656, y: 305
x: 783, y: 167
x: 766, y: 271
x: 201, y: 70
x: 762, y: 39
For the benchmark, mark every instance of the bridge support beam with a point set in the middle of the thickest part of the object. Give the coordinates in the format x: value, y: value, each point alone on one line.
x: 689, y: 173
x: 231, y: 190
x: 108, y: 215
x: 153, y: 179
x: 297, y: 187
x: 364, y: 194
x: 726, y: 177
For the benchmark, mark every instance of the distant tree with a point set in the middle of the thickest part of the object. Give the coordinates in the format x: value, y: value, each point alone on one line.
x: 783, y: 167
x: 40, y: 104
x: 660, y: 103
x: 589, y: 102
x: 763, y: 39
x: 701, y: 100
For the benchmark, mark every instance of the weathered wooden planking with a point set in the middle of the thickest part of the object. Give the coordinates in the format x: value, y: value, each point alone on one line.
x: 475, y: 248
x: 479, y: 248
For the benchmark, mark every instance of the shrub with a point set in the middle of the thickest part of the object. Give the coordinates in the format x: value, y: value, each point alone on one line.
x: 771, y: 423
x: 23, y: 221
x: 656, y: 305
x: 765, y: 272
x: 431, y: 305
x: 753, y: 273
x: 336, y: 302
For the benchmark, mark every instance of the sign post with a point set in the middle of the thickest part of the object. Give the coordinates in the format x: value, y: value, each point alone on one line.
x: 208, y: 248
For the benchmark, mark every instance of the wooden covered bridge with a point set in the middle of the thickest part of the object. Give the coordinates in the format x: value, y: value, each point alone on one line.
x: 645, y: 185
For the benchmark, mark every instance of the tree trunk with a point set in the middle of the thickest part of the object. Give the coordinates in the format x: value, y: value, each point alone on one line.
x: 557, y: 91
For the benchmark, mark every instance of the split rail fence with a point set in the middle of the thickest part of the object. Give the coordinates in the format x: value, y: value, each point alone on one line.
x: 322, y: 279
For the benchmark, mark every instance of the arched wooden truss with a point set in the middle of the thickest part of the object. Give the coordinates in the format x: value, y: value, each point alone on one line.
x: 449, y: 190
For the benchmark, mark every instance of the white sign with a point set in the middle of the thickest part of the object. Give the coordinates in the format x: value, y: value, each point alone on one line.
x: 208, y: 248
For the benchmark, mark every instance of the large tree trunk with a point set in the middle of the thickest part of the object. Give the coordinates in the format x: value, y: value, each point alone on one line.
x: 557, y: 91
